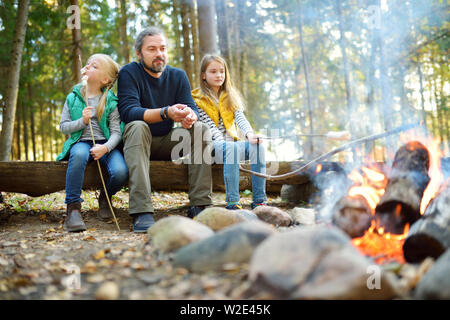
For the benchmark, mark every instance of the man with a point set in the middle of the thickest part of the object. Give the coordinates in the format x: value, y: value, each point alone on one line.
x: 152, y: 96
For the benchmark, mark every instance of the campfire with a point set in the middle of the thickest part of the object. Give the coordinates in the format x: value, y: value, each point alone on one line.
x: 383, y: 204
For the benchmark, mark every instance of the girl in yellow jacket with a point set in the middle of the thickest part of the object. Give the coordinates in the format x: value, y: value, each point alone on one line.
x: 221, y: 108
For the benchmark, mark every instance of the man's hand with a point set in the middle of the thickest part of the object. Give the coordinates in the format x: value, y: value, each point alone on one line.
x: 189, y: 120
x: 178, y: 112
x: 98, y: 151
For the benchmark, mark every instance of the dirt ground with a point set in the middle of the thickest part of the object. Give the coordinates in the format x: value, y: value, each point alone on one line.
x: 39, y: 260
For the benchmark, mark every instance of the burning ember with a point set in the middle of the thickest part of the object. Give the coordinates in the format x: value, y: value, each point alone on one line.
x: 370, y: 183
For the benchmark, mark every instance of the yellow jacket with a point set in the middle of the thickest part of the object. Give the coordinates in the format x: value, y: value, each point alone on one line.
x: 215, y: 112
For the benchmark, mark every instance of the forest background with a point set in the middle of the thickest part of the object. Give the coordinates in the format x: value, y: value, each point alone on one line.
x: 303, y: 66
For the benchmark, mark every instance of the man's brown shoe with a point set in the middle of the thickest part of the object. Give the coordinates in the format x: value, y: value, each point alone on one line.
x: 104, y: 212
x: 73, y: 221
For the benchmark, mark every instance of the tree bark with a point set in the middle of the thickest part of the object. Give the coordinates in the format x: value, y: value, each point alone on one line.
x: 195, y: 42
x: 122, y: 6
x: 222, y: 29
x: 76, y: 50
x: 25, y: 130
x: 187, y: 51
x: 207, y: 27
x: 176, y: 28
x: 12, y: 89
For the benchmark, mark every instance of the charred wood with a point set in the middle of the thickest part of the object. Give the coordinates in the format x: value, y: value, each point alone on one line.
x: 400, y: 204
x: 430, y: 235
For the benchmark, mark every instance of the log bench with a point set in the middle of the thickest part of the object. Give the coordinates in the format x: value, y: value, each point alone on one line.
x: 37, y: 178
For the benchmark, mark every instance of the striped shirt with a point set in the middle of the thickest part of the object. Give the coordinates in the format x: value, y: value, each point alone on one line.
x: 219, y: 133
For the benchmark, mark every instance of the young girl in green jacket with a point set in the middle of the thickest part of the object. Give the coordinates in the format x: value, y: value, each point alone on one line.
x: 101, y: 72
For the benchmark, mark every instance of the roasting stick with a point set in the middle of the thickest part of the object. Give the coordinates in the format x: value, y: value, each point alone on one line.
x: 332, y: 152
x: 333, y: 135
x: 84, y: 81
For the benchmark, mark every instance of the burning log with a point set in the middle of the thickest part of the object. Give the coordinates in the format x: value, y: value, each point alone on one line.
x: 400, y: 204
x: 430, y: 236
x: 352, y: 215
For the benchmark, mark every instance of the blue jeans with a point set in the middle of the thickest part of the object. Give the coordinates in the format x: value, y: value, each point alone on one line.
x: 233, y: 152
x: 79, y: 158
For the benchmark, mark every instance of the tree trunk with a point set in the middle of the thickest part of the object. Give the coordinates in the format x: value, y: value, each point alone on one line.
x: 76, y: 51
x: 176, y: 28
x: 224, y: 35
x: 207, y: 27
x: 12, y: 89
x: 422, y: 97
x: 25, y: 130
x: 42, y: 132
x: 187, y: 51
x: 348, y: 91
x: 31, y: 112
x: 122, y: 6
x: 195, y: 42
x: 17, y: 131
x: 306, y: 73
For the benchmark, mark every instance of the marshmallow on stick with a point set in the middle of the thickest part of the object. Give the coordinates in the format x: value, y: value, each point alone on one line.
x: 338, y: 135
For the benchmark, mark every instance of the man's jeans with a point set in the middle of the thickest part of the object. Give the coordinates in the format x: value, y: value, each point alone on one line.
x: 231, y: 153
x: 79, y: 158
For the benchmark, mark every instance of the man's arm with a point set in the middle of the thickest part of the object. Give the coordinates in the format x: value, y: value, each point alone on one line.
x: 129, y: 105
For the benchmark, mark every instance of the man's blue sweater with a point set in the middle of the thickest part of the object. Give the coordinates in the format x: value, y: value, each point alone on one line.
x: 138, y: 91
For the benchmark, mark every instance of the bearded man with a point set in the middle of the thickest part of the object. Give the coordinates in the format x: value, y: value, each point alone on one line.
x: 153, y: 96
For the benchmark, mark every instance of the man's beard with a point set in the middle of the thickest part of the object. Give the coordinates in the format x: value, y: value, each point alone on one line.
x: 155, y: 68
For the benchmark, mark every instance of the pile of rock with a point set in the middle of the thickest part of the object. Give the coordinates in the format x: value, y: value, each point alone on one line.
x: 288, y: 255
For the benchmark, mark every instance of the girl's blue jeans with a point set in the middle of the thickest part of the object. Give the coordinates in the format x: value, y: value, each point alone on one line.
x: 230, y: 153
x: 78, y: 159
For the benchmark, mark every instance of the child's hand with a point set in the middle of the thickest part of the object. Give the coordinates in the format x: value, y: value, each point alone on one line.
x: 254, y: 138
x: 98, y: 151
x: 87, y: 114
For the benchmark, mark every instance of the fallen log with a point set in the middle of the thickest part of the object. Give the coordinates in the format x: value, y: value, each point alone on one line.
x: 430, y: 235
x: 400, y: 203
x: 352, y: 215
x: 37, y: 178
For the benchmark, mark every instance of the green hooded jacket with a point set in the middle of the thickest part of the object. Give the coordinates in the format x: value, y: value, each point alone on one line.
x: 76, y: 104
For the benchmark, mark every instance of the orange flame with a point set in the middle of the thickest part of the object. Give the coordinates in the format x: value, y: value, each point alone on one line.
x: 435, y: 174
x: 384, y: 247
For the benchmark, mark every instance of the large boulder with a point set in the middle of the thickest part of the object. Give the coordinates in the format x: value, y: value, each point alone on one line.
x: 171, y: 233
x: 234, y: 244
x: 218, y: 218
x: 315, y: 263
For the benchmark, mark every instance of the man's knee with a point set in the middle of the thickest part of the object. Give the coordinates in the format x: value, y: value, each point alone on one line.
x: 136, y: 133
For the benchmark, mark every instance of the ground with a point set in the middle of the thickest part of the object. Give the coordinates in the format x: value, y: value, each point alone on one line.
x: 39, y: 260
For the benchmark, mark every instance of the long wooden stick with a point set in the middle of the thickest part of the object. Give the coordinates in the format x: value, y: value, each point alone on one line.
x: 99, y: 168
x: 331, y: 153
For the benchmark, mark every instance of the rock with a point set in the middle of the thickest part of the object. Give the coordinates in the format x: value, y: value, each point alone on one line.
x: 303, y: 216
x: 234, y: 244
x: 171, y: 233
x: 218, y: 218
x: 435, y: 284
x: 273, y: 216
x: 247, y: 214
x: 108, y: 291
x: 314, y: 263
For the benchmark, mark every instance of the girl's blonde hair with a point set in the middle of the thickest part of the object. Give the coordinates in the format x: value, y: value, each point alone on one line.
x: 111, y: 70
x: 234, y: 97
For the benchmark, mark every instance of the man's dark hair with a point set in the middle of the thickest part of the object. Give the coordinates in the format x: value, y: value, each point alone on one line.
x: 149, y: 31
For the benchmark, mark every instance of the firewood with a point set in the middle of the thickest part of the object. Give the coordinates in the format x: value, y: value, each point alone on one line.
x: 400, y: 203
x: 352, y: 215
x: 430, y: 235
